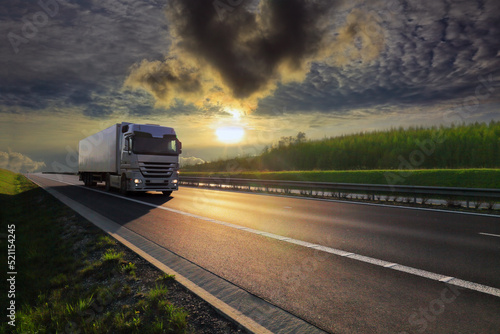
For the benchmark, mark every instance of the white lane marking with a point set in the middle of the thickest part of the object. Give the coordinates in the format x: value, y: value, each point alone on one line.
x: 489, y: 234
x: 385, y: 264
x: 446, y: 279
x: 287, y: 207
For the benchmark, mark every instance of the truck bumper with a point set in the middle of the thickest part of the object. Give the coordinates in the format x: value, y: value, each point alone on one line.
x: 138, y: 184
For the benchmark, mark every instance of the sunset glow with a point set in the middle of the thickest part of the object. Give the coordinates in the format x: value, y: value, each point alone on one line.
x: 230, y: 134
x: 234, y: 112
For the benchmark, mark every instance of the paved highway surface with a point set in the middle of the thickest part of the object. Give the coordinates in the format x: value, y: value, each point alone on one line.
x: 300, y: 267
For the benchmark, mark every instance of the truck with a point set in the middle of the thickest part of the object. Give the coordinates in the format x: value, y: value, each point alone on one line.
x: 132, y: 158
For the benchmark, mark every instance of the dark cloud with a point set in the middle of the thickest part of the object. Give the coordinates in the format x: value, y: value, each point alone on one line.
x: 79, y: 97
x: 289, y: 32
x: 28, y: 94
x: 235, y: 55
x: 94, y: 110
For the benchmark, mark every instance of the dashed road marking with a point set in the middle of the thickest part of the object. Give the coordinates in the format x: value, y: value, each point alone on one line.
x: 490, y: 234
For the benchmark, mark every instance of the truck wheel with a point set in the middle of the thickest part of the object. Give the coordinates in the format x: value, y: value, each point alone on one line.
x: 123, y: 186
x: 167, y: 193
x: 107, y: 186
x: 86, y: 179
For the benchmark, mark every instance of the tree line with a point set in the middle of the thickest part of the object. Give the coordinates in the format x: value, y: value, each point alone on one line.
x: 474, y: 145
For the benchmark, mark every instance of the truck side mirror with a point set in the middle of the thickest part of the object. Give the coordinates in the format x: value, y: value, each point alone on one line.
x: 126, y: 145
x: 180, y: 146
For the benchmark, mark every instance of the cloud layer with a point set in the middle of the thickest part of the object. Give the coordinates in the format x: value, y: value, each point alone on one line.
x: 186, y: 161
x: 18, y: 162
x: 204, y: 56
x: 76, y: 54
x: 434, y: 51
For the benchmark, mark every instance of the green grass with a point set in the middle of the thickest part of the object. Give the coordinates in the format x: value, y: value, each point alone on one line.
x: 12, y: 183
x: 467, y: 178
x: 166, y: 277
x: 112, y: 256
x: 104, y: 241
x: 158, y: 293
x: 59, y: 292
x: 8, y: 182
x: 129, y: 268
x: 167, y: 316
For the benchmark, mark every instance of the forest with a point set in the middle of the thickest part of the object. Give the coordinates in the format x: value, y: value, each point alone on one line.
x: 474, y: 145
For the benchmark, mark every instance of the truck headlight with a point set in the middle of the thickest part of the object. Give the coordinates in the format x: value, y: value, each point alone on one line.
x: 137, y: 181
x: 175, y: 181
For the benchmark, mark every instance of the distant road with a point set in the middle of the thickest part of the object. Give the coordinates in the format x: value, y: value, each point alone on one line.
x: 345, y: 267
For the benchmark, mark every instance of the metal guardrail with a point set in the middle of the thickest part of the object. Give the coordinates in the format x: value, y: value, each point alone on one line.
x: 370, y: 189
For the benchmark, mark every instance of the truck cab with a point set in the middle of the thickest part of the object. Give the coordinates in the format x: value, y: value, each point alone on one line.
x: 131, y: 157
x: 149, y: 158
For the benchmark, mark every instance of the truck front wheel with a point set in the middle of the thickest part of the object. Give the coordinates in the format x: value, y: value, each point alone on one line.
x: 87, y: 179
x: 107, y: 181
x: 123, y: 186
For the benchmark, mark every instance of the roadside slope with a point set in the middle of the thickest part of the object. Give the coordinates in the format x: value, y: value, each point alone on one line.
x: 91, y: 282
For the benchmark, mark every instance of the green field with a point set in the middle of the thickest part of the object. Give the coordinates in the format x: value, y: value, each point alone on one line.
x: 457, y: 147
x: 467, y: 178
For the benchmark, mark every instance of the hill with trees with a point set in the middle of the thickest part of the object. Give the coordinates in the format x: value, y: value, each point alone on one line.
x: 458, y: 146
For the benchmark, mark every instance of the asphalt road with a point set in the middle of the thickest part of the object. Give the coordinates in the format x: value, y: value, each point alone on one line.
x: 337, y: 293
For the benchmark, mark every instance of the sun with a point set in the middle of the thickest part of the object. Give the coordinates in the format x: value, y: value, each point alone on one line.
x: 230, y: 134
x: 235, y: 113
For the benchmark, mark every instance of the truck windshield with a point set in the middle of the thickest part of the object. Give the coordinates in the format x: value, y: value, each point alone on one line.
x: 144, y: 143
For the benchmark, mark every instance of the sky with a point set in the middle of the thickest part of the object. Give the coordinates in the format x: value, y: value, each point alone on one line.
x: 234, y: 76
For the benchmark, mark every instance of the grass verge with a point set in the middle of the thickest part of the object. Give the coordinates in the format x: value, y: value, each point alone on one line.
x: 73, y: 278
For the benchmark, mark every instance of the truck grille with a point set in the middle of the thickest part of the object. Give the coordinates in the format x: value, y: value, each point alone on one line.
x: 157, y: 186
x: 156, y: 169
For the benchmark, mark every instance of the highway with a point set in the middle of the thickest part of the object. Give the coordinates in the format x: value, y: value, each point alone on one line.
x: 344, y: 267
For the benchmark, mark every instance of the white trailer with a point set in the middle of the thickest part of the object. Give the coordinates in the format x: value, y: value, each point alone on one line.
x: 131, y: 157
